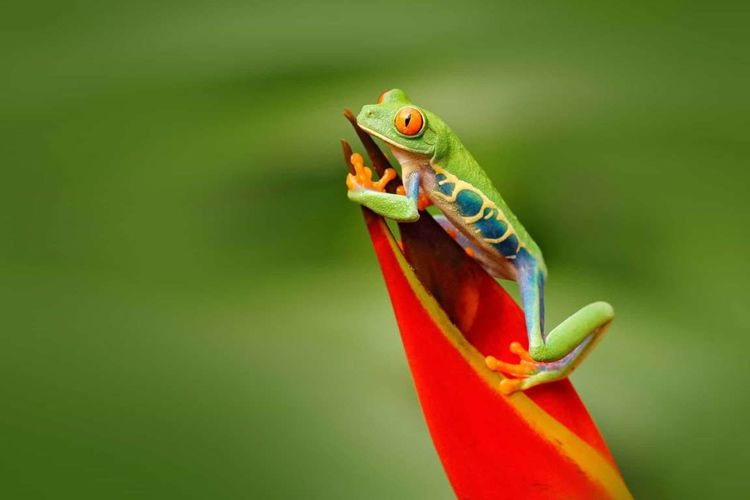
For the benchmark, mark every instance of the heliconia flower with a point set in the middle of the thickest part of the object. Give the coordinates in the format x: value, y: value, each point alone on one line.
x: 540, y: 443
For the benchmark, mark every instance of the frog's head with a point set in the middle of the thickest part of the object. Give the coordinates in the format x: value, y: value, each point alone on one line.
x: 403, y: 125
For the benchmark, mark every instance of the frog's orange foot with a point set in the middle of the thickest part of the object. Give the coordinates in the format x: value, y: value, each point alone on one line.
x: 361, y: 179
x: 525, y: 372
x: 423, y: 202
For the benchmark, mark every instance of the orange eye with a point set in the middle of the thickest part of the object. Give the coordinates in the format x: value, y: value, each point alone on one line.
x: 409, y: 121
x: 382, y: 96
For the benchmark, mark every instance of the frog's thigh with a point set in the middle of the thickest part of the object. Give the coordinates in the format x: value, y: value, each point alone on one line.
x: 589, y: 322
x: 491, y: 262
x: 454, y: 233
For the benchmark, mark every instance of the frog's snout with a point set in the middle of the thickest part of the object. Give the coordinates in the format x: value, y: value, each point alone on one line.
x: 366, y: 115
x: 368, y: 111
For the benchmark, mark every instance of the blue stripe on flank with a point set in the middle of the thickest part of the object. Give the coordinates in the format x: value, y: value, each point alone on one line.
x: 508, y: 246
x: 447, y: 188
x: 490, y: 228
x: 468, y: 203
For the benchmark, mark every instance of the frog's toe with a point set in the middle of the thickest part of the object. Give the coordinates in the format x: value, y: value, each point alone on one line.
x: 527, y: 372
x: 510, y: 385
x: 361, y: 179
x: 522, y: 369
x: 423, y: 202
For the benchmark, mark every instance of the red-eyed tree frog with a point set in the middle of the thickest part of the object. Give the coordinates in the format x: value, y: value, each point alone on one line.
x: 437, y: 169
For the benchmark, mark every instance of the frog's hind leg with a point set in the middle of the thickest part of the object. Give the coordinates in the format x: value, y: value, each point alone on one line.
x: 464, y: 242
x: 499, y: 268
x: 556, y: 355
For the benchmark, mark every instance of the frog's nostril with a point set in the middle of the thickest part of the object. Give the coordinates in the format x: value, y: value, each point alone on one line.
x: 367, y: 113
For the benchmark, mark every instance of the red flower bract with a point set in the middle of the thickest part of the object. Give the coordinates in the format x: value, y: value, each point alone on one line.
x: 541, y: 443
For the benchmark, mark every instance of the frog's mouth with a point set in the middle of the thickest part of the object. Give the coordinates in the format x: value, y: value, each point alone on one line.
x: 399, y: 150
x: 407, y: 159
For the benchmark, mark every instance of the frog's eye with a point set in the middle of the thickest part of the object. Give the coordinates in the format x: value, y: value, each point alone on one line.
x: 382, y: 96
x: 409, y: 121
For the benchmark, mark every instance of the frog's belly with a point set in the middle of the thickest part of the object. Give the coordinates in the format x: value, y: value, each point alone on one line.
x: 478, y: 218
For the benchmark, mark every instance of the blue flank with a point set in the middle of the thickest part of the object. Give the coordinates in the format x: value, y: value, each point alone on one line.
x: 508, y: 247
x: 490, y: 228
x: 447, y: 188
x: 468, y: 204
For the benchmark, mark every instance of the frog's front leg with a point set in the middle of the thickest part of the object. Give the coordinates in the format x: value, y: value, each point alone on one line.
x: 555, y: 356
x: 366, y: 192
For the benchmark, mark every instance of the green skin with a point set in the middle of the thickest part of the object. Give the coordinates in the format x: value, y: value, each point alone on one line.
x: 435, y: 162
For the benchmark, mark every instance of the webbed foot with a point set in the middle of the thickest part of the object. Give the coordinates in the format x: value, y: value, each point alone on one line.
x: 361, y: 179
x: 529, y: 372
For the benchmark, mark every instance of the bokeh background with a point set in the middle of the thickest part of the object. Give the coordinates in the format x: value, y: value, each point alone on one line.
x: 191, y: 308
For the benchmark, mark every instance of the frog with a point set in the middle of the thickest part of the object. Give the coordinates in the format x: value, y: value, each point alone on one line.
x: 438, y: 170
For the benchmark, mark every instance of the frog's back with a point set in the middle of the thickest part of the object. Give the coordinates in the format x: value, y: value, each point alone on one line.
x: 464, y: 184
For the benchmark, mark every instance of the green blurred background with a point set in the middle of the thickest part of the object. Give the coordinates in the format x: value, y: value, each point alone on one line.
x: 191, y: 307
